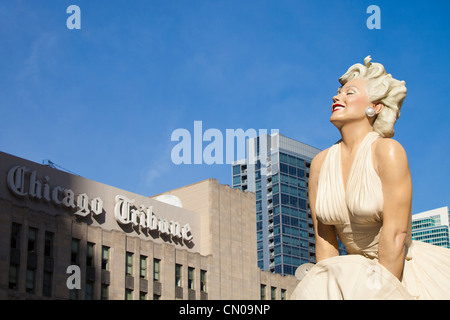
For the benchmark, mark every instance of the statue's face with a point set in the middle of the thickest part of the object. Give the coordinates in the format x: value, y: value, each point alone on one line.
x: 350, y: 103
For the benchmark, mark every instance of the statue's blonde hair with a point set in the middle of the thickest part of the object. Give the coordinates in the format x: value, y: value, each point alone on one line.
x: 381, y: 88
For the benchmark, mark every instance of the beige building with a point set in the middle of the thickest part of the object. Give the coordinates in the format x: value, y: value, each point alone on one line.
x: 66, y: 237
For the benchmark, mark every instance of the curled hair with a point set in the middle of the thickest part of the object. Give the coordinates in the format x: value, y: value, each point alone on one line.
x: 381, y: 88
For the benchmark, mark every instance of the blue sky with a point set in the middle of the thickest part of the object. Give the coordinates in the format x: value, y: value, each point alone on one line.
x: 103, y: 101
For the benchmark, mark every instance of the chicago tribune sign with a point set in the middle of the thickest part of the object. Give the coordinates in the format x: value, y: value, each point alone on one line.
x: 146, y: 219
x: 23, y: 182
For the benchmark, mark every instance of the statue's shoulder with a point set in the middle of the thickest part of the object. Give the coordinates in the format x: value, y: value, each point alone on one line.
x: 387, y: 147
x: 389, y: 154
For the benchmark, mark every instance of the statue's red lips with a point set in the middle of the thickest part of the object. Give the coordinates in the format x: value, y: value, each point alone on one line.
x: 335, y: 107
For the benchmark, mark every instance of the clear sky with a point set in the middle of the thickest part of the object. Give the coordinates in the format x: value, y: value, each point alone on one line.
x: 104, y: 100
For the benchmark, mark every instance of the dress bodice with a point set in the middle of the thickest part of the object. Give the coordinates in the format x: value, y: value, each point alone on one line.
x: 356, y: 212
x: 355, y: 209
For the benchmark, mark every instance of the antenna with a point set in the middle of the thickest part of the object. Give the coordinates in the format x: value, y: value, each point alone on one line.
x: 48, y: 163
x: 51, y: 164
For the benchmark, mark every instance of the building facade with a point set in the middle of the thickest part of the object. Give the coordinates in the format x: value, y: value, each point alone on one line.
x: 432, y: 227
x: 66, y: 237
x: 276, y: 168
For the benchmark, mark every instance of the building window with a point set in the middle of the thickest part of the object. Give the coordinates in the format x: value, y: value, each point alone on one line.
x: 191, y: 278
x: 90, y: 254
x: 129, y: 264
x: 128, y: 294
x: 105, y: 258
x: 32, y: 232
x: 13, y: 277
x: 273, y: 293
x: 283, y: 294
x: 258, y: 205
x: 15, y: 236
x: 156, y: 272
x: 47, y: 284
x: 30, y: 280
x: 14, y: 256
x: 48, y: 244
x: 73, y: 294
x: 142, y: 295
x: 261, y: 264
x: 89, y: 290
x: 275, y: 178
x: 263, y: 292
x: 276, y: 199
x: 75, y: 249
x: 143, y: 267
x: 257, y: 148
x: 202, y: 280
x: 104, y: 292
x: 178, y: 269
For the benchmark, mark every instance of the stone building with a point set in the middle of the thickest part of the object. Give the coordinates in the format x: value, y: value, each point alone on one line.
x: 63, y: 236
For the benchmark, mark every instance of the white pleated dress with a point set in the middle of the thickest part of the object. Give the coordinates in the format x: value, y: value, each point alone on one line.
x: 356, y: 213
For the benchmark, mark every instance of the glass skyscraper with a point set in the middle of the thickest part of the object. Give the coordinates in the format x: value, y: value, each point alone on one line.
x: 277, y: 170
x: 432, y: 227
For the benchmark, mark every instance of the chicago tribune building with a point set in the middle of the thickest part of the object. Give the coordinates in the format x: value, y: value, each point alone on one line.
x: 67, y: 237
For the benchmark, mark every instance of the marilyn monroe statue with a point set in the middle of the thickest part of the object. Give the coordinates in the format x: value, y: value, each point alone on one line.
x: 360, y: 191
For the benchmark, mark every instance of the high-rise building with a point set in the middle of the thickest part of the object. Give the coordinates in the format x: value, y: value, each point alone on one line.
x: 432, y: 227
x: 276, y: 168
